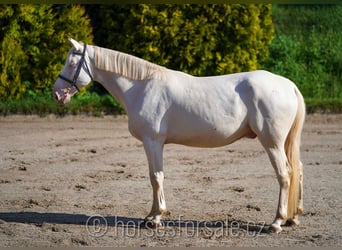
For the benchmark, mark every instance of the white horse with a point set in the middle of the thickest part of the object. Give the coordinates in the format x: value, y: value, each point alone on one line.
x: 167, y: 106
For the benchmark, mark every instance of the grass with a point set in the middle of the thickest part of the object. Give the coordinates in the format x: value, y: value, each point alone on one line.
x: 89, y: 103
x: 323, y: 105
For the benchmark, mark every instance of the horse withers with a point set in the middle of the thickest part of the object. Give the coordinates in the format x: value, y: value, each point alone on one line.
x: 167, y: 106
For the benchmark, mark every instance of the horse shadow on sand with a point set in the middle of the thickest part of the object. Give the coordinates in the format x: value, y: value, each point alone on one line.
x: 38, y: 219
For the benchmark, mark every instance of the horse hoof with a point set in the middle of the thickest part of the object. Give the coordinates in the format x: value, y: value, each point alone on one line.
x: 150, y: 224
x: 292, y: 222
x: 273, y: 229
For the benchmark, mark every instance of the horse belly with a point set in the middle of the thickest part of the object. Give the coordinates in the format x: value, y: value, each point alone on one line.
x: 200, y: 131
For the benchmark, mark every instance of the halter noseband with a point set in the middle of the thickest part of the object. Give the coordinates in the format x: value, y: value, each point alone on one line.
x: 78, y: 70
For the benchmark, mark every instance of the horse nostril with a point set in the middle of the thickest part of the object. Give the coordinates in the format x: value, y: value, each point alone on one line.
x: 57, y: 96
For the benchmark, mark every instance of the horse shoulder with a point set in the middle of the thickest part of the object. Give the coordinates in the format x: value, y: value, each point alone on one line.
x: 149, y: 108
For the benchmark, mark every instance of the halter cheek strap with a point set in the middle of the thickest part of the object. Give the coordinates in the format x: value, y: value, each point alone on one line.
x: 78, y: 70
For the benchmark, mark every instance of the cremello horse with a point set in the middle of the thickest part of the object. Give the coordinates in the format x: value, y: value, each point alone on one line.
x: 167, y: 106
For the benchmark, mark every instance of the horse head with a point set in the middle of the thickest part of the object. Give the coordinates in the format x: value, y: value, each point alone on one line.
x: 75, y: 74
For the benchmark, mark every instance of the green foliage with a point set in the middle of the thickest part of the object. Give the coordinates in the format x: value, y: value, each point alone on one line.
x: 198, y: 39
x: 43, y: 104
x: 12, y: 57
x: 307, y: 48
x: 33, y: 42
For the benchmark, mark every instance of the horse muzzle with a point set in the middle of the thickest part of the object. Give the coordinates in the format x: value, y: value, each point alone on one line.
x: 63, y: 98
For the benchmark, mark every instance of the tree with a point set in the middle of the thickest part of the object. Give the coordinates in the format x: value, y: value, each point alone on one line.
x: 198, y: 39
x: 34, y: 46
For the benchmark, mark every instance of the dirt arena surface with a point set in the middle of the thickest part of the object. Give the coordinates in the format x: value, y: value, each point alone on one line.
x: 83, y: 181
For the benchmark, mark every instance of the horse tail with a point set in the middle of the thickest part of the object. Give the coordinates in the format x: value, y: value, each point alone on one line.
x: 292, y: 150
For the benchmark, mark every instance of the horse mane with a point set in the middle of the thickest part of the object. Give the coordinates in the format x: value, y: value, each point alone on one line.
x: 126, y: 65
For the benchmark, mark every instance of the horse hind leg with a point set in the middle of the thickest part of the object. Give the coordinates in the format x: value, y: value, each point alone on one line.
x: 289, y: 175
x: 279, y: 162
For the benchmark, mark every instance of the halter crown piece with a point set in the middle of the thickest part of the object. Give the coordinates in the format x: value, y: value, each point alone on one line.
x: 78, y: 70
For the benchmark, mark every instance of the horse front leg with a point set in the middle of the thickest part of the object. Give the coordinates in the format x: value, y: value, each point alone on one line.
x: 154, y: 153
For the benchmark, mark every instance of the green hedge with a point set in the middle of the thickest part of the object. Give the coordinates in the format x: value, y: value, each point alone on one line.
x: 197, y: 39
x: 33, y: 45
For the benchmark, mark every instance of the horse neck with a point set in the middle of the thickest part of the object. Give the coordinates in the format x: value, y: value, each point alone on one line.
x: 119, y: 87
x: 123, y: 88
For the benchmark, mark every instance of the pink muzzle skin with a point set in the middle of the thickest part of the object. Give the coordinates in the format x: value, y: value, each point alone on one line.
x: 64, y: 98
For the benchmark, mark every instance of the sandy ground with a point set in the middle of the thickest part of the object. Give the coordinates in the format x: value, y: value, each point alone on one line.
x: 83, y: 181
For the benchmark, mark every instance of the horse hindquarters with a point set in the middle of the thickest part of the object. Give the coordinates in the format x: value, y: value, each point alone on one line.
x: 279, y: 133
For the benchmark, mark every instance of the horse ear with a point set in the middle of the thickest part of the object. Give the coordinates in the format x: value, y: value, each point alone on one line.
x: 75, y: 44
